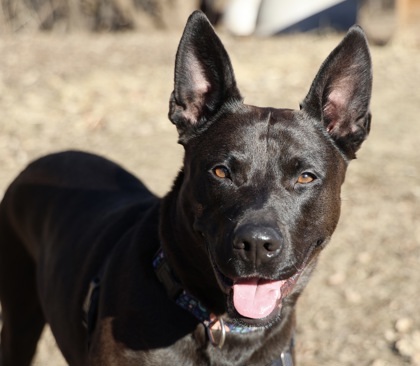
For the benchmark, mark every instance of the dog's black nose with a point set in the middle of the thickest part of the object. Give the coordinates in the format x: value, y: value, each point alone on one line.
x: 257, y: 244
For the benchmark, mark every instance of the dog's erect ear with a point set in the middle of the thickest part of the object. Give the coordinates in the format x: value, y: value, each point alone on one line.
x: 340, y: 94
x: 204, y: 78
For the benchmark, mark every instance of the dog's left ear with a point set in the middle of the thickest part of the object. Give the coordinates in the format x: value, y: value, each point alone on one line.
x: 204, y: 78
x: 340, y: 94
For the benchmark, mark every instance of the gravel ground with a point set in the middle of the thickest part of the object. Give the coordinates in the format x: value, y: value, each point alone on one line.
x: 109, y: 94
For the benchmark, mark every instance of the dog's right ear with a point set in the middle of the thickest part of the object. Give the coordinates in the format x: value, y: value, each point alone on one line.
x: 204, y: 78
x: 340, y: 94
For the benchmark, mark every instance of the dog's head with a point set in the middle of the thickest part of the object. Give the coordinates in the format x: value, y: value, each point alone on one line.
x: 261, y: 186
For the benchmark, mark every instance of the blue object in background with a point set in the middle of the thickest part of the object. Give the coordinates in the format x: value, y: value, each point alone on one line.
x: 284, y: 16
x: 341, y: 17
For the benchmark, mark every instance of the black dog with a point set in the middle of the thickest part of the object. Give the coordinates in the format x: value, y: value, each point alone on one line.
x: 210, y: 274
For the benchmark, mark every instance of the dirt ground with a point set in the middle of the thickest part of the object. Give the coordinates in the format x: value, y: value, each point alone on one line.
x: 109, y: 94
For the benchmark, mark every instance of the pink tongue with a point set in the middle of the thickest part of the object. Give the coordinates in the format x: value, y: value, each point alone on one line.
x: 256, y: 299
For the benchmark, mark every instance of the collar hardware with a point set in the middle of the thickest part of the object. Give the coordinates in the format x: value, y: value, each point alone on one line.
x: 210, y: 333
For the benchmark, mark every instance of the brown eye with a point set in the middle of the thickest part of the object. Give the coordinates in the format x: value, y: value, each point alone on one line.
x: 306, y: 178
x: 221, y: 172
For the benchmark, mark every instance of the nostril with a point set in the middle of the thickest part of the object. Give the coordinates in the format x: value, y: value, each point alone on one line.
x: 270, y: 247
x: 242, y: 245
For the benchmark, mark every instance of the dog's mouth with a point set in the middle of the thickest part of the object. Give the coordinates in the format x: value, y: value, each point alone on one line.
x: 255, y: 300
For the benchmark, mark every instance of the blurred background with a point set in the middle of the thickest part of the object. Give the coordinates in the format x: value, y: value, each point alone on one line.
x: 239, y: 17
x: 96, y: 75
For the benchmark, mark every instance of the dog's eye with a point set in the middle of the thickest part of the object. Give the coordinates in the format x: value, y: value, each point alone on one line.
x: 306, y: 178
x: 221, y: 172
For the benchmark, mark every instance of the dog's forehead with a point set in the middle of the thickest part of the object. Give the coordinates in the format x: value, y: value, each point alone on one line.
x: 263, y: 131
